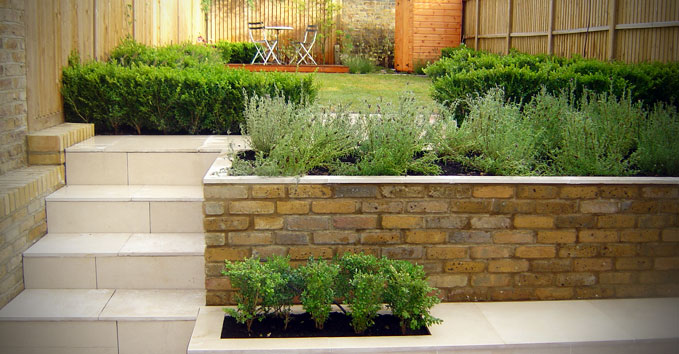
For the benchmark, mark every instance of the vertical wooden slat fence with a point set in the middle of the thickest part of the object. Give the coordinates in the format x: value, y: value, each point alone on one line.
x: 423, y: 28
x: 626, y: 30
x: 54, y: 28
x: 228, y: 20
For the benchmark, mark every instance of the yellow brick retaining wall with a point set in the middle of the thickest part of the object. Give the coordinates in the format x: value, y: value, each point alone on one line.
x: 477, y: 242
x: 22, y: 220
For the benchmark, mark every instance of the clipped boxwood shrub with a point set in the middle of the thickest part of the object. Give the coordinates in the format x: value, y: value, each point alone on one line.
x: 462, y: 72
x: 236, y: 52
x: 364, y: 282
x: 200, y: 98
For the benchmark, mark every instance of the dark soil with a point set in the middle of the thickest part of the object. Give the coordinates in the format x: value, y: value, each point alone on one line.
x: 301, y: 325
x: 448, y: 168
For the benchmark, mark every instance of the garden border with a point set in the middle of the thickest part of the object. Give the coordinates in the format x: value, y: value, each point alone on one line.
x: 479, y: 238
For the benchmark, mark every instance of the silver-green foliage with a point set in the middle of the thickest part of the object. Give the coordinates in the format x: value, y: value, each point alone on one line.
x: 495, y: 137
x: 293, y: 139
x: 396, y: 140
x: 598, y: 134
x: 658, y: 150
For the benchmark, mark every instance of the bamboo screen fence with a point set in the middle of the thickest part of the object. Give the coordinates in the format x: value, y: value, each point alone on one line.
x: 54, y: 28
x: 228, y: 20
x: 626, y: 30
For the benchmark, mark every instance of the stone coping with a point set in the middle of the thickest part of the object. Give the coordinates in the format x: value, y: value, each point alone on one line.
x: 160, y: 144
x: 221, y: 179
x: 218, y: 174
x: 531, y: 325
x: 19, y: 187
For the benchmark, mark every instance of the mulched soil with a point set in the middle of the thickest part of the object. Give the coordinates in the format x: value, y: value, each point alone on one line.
x: 301, y: 325
x: 449, y: 168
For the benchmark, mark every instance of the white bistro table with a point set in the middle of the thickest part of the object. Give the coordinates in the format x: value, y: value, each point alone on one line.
x: 278, y: 30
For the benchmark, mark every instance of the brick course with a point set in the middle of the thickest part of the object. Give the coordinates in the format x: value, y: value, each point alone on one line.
x: 477, y: 242
x: 13, y: 118
x: 22, y: 220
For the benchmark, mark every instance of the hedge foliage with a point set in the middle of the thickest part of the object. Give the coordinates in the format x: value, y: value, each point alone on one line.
x: 181, y: 89
x: 182, y: 55
x: 462, y: 72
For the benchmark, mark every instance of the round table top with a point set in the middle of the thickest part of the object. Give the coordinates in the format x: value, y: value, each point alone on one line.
x: 278, y: 27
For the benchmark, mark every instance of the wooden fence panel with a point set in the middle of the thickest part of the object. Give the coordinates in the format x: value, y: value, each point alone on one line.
x: 627, y: 30
x: 228, y: 19
x: 92, y: 27
x: 423, y: 28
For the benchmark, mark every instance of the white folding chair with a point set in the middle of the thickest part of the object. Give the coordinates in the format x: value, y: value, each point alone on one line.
x: 303, y: 48
x: 265, y: 47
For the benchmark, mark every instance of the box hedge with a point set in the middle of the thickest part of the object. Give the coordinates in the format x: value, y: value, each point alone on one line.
x: 462, y: 72
x: 182, y: 90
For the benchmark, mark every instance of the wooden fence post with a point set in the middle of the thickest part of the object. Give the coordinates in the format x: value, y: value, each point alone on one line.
x: 612, y: 21
x: 476, y: 25
x: 509, y: 26
x: 550, y: 30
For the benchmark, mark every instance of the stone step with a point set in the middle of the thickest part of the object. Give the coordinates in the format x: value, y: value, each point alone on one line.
x: 99, y: 321
x: 116, y: 260
x: 125, y: 208
x: 164, y: 160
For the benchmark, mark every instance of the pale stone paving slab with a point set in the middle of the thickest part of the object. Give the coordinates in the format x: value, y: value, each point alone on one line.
x: 146, y: 305
x: 164, y: 244
x: 56, y: 304
x: 78, y: 244
x: 551, y: 327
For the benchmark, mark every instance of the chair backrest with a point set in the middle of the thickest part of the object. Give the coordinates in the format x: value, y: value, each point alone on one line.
x: 256, y: 27
x: 310, y: 30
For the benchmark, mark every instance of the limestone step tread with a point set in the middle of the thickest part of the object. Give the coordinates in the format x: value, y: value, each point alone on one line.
x: 123, y: 193
x: 104, y: 305
x: 118, y: 244
x: 160, y: 143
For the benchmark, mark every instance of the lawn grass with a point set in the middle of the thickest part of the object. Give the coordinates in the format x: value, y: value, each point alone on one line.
x: 357, y: 89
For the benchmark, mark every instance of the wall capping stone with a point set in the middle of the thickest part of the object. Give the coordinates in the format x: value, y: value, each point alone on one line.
x: 221, y: 179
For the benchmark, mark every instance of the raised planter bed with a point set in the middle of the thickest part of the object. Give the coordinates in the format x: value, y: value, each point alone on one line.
x: 479, y: 238
x: 587, y: 326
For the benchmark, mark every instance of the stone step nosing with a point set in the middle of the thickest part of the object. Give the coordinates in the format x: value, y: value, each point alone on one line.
x: 110, y: 307
x: 125, y: 245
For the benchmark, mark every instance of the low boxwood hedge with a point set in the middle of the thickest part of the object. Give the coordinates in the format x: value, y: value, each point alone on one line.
x: 462, y: 72
x: 181, y: 90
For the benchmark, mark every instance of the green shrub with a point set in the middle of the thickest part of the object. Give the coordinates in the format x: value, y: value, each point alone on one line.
x: 183, y: 55
x: 280, y: 302
x: 293, y: 139
x: 317, y: 296
x: 408, y: 294
x: 462, y: 72
x: 257, y: 289
x: 365, y: 299
x: 599, y: 137
x: 658, y: 149
x: 395, y: 141
x: 494, y: 137
x: 595, y: 135
x: 363, y: 281
x: 236, y: 52
x: 358, y: 64
x: 200, y: 99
